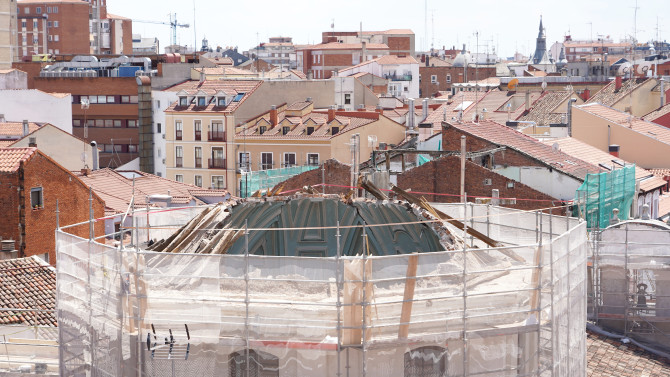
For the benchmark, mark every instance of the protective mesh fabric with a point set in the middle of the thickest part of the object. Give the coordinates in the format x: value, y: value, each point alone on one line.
x: 603, y: 192
x: 267, y: 179
x: 487, y: 312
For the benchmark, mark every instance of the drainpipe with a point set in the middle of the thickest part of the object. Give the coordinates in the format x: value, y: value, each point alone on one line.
x: 570, y: 102
x: 463, y: 168
x: 662, y: 92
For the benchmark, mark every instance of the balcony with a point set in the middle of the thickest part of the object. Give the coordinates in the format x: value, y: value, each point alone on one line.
x: 178, y: 135
x: 216, y: 136
x: 198, y: 162
x: 179, y: 162
x: 198, y: 135
x: 395, y: 77
x: 217, y: 163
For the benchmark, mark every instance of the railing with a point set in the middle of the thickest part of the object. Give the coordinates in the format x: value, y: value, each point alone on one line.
x: 216, y: 136
x: 217, y: 163
x: 178, y: 135
x: 198, y: 135
x: 267, y: 166
x: 179, y: 162
x: 398, y: 77
x: 198, y: 162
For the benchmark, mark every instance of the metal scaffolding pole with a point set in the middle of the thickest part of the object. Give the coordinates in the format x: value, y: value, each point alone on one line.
x: 338, y: 283
x: 246, y: 297
x: 465, y: 284
x: 364, y: 303
x: 538, y: 231
x: 551, y: 282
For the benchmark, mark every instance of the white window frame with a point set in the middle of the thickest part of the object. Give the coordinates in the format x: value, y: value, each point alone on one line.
x: 223, y: 180
x: 179, y: 178
x: 295, y: 160
x: 318, y: 159
x: 263, y: 165
x: 195, y: 180
x: 433, y: 79
x: 178, y: 150
x: 448, y: 78
x: 246, y: 167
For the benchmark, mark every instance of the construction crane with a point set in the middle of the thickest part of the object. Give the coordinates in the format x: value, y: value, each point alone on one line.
x: 173, y: 24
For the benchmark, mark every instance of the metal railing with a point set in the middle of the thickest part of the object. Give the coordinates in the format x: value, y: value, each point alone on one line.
x: 216, y: 136
x: 217, y: 163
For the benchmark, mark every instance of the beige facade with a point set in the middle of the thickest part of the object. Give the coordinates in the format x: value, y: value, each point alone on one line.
x: 62, y: 147
x: 643, y: 143
x: 8, y: 41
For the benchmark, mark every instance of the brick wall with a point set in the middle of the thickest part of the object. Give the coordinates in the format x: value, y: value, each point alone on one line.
x: 336, y: 173
x: 443, y: 176
x: 399, y: 44
x: 9, y: 206
x: 429, y: 89
x: 73, y: 200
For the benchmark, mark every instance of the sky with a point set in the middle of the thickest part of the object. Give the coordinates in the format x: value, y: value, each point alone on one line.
x: 509, y: 26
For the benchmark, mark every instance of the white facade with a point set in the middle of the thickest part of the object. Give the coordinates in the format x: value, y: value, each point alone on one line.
x: 550, y: 182
x: 161, y: 100
x: 37, y: 106
x: 404, y: 78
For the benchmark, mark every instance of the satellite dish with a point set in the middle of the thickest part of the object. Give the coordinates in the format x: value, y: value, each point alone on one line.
x: 642, y: 68
x: 512, y: 84
x: 555, y: 147
x: 623, y: 69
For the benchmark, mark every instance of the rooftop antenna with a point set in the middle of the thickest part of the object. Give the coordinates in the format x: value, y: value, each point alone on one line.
x: 425, y: 24
x: 195, y: 37
x: 432, y: 25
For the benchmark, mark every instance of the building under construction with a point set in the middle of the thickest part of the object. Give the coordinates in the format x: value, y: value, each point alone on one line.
x: 318, y: 285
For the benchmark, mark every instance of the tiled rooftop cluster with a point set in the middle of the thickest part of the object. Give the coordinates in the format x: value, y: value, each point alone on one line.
x: 609, y: 357
x: 27, y: 283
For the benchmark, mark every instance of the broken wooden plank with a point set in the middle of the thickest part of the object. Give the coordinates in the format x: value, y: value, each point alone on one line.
x: 187, y: 230
x: 371, y: 188
x: 408, y: 297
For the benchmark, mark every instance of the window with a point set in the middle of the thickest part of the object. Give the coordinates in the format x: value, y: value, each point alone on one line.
x: 179, y: 178
x: 433, y: 79
x: 34, y: 24
x: 132, y: 123
x: 266, y: 160
x: 178, y: 129
x: 217, y: 133
x: 285, y: 130
x: 134, y: 99
x: 109, y: 123
x: 132, y: 148
x: 36, y: 200
x: 260, y: 364
x: 221, y: 101
x: 217, y: 161
x: 312, y: 159
x: 426, y: 361
x: 197, y: 128
x: 117, y: 123
x: 245, y: 160
x: 217, y: 182
x: 334, y: 130
x: 261, y: 130
x: 448, y: 77
x: 197, y: 180
x: 347, y: 99
x: 76, y: 122
x: 310, y: 130
x: 125, y: 99
x: 49, y: 24
x: 289, y: 159
x: 38, y: 10
x: 238, y: 97
x: 100, y: 123
x: 50, y: 38
x: 56, y: 38
x: 55, y: 10
x: 26, y: 10
x: 198, y: 157
x: 158, y: 128
x: 55, y: 23
x: 179, y: 156
x: 23, y: 23
x: 202, y: 101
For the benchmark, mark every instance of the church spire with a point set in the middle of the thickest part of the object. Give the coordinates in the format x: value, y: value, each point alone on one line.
x: 541, y: 33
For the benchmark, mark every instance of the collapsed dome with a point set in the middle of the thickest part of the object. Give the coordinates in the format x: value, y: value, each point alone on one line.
x: 307, y: 226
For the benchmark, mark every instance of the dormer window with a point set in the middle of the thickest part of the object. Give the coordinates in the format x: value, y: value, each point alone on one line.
x: 285, y: 130
x: 238, y: 97
x: 202, y: 101
x: 310, y: 130
x: 183, y: 101
x: 262, y: 129
x: 334, y: 130
x: 221, y: 101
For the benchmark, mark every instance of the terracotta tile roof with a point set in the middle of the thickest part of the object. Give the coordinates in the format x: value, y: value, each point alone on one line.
x: 664, y: 205
x: 661, y: 172
x: 15, y: 129
x: 434, y: 61
x: 27, y: 283
x: 117, y: 190
x: 652, y: 116
x: 649, y: 129
x: 211, y: 87
x: 610, y: 357
x: 502, y: 135
x: 593, y: 155
x: 298, y: 105
x: 608, y: 95
x: 10, y: 158
x: 226, y: 71
x: 544, y: 111
x: 300, y: 74
x: 6, y: 143
x: 116, y: 17
x: 393, y: 59
x: 51, y: 1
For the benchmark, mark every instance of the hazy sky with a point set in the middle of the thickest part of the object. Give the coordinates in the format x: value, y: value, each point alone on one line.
x: 509, y: 25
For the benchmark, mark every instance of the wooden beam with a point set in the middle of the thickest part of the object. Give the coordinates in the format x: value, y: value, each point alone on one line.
x: 410, y: 285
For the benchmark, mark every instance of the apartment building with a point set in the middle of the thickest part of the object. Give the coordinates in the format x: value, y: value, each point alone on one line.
x: 71, y: 27
x: 8, y: 39
x: 399, y: 41
x: 278, y: 51
x: 324, y: 59
x: 401, y: 71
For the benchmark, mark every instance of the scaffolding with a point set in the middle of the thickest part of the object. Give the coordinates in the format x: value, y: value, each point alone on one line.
x: 629, y: 281
x: 253, y: 181
x: 514, y: 310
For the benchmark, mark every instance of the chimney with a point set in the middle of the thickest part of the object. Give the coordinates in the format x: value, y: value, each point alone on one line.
x: 364, y: 51
x: 309, y: 99
x: 94, y: 155
x: 379, y: 109
x: 423, y: 59
x: 361, y: 107
x: 527, y: 100
x: 614, y: 150
x: 2, y: 118
x: 410, y: 114
x: 662, y: 93
x: 26, y: 129
x: 618, y: 82
x: 570, y: 102
x: 273, y: 115
x: 586, y: 94
x: 427, y: 60
x: 202, y: 75
x: 424, y: 109
x: 331, y: 114
x: 310, y: 74
x: 32, y: 142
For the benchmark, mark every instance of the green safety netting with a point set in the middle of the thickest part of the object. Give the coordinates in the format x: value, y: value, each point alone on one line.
x: 266, y: 179
x: 423, y: 160
x: 603, y: 192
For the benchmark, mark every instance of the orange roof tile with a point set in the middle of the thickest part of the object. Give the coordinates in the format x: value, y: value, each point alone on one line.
x: 652, y: 116
x: 211, y: 87
x: 27, y: 283
x: 10, y: 158
x: 649, y: 129
x: 15, y: 129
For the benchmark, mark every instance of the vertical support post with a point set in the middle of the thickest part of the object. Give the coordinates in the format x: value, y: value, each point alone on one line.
x: 627, y: 274
x: 539, y: 294
x: 338, y: 282
x: 138, y: 298
x: 388, y: 161
x: 495, y: 195
x: 402, y: 160
x: 91, y: 230
x: 463, y: 168
x: 569, y: 306
x: 323, y: 177
x: 88, y: 273
x: 148, y: 225
x: 465, y: 284
x: 488, y: 222
x: 57, y: 215
x: 364, y: 303
x: 246, y: 297
x: 551, y: 286
x: 408, y: 297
